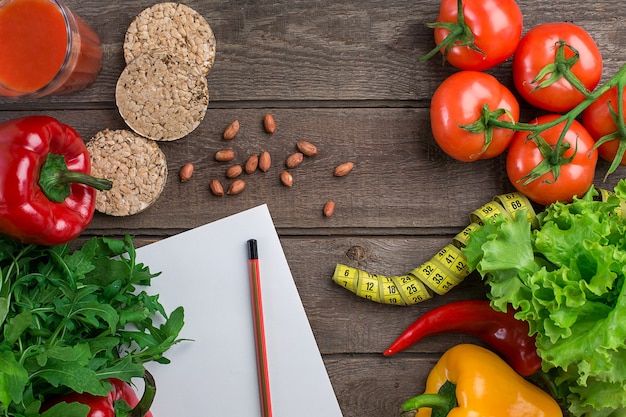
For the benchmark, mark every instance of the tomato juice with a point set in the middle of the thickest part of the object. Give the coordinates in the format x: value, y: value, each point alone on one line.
x: 45, y: 49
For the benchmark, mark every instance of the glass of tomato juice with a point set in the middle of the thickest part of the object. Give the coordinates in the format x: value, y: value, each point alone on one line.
x: 45, y: 49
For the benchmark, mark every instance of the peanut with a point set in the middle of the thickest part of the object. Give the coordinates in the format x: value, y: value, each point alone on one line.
x: 236, y: 187
x: 216, y: 187
x: 231, y: 130
x: 234, y: 171
x: 343, y: 169
x: 265, y: 161
x: 286, y: 178
x: 329, y: 208
x: 251, y: 164
x: 186, y: 172
x: 307, y: 148
x: 269, y: 123
x: 225, y: 155
x: 294, y: 160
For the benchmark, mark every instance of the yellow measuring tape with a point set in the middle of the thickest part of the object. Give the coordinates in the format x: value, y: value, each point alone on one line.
x: 439, y: 274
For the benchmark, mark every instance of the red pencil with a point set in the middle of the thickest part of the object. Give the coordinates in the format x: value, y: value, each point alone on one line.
x: 259, y: 329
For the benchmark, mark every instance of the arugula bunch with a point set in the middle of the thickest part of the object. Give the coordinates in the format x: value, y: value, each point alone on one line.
x: 72, y: 319
x: 566, y: 278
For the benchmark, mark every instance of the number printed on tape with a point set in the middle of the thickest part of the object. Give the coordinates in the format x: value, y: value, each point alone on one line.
x: 489, y: 210
x: 463, y: 236
x: 514, y: 202
x: 367, y: 286
x: 435, y: 278
x: 391, y: 292
x: 453, y: 260
x: 346, y: 277
x: 412, y: 290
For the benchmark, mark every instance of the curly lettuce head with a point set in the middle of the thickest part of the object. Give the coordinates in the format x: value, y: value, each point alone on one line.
x: 566, y: 279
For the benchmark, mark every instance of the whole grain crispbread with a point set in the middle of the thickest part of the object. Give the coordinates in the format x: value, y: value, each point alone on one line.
x: 161, y: 97
x: 135, y: 165
x: 172, y: 27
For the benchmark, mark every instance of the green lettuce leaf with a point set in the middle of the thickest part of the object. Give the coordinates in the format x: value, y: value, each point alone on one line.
x: 566, y: 279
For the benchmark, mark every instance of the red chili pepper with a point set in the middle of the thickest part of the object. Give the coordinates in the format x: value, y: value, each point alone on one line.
x: 47, y: 196
x: 121, y: 401
x: 501, y: 331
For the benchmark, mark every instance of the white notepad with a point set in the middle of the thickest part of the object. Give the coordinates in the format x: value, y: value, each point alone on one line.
x: 206, y: 271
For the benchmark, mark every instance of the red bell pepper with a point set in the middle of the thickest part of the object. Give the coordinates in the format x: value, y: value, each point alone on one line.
x: 501, y: 331
x: 121, y: 401
x: 47, y: 196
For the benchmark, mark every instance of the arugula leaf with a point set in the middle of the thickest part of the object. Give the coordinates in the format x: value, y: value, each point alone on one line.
x: 125, y: 369
x: 154, y: 341
x: 566, y: 278
x: 65, y: 410
x: 71, y: 374
x: 17, y: 325
x: 72, y: 319
x: 13, y: 379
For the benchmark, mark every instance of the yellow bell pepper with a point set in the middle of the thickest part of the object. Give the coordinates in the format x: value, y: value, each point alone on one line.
x: 471, y: 381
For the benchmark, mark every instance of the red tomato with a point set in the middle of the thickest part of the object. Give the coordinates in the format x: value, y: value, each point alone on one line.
x: 574, y: 178
x: 496, y: 26
x: 538, y: 49
x: 598, y: 121
x: 458, y: 101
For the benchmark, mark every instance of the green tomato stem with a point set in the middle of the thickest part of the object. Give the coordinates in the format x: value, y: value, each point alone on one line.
x: 460, y: 35
x: 560, y: 68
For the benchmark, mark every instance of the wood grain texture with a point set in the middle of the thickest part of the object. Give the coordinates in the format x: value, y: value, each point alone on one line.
x: 344, y: 75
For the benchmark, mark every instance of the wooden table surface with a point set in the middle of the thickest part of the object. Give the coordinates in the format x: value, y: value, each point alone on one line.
x: 343, y: 74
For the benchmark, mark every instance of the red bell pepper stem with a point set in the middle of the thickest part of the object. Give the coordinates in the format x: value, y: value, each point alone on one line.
x: 501, y: 331
x: 55, y: 179
x: 149, y: 392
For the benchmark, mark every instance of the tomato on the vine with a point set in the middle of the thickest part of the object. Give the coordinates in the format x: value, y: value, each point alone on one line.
x: 575, y: 166
x: 462, y: 102
x: 598, y: 118
x: 484, y: 34
x: 552, y: 85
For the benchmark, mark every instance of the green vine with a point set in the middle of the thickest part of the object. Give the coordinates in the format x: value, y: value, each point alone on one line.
x: 554, y: 155
x: 460, y: 35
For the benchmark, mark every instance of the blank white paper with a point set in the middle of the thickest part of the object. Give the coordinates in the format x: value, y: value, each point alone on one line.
x: 215, y: 375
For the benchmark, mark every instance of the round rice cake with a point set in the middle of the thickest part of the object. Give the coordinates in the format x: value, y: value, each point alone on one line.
x: 161, y: 97
x: 135, y: 165
x: 174, y: 28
